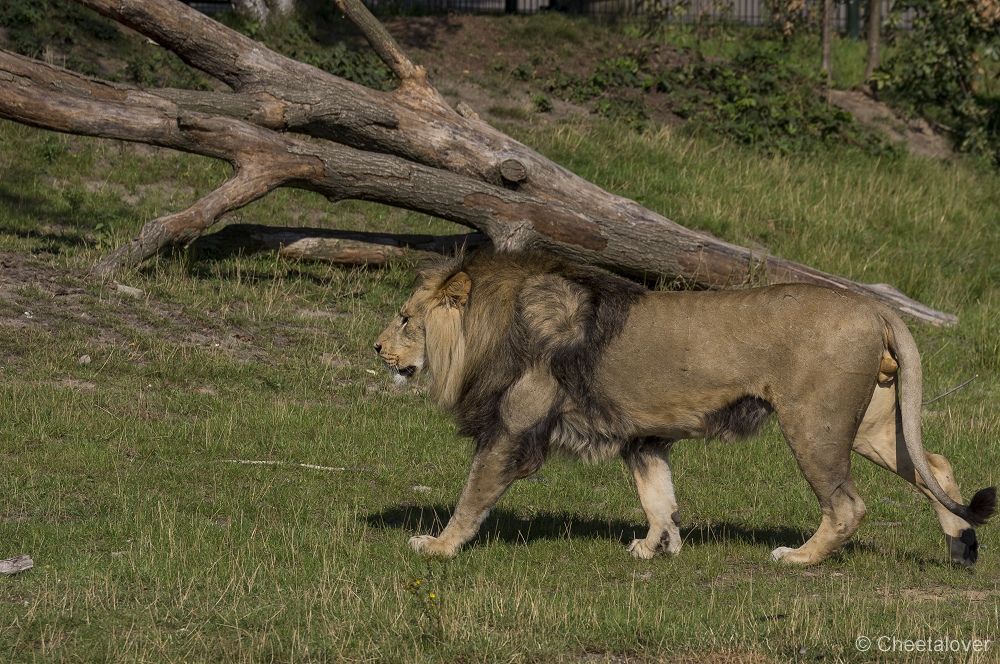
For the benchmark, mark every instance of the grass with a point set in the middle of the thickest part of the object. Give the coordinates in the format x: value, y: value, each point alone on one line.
x: 150, y: 545
x: 801, y: 51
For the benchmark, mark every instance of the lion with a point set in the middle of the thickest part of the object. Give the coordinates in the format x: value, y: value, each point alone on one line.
x: 534, y: 354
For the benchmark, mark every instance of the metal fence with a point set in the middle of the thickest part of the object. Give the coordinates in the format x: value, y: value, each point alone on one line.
x: 848, y: 14
x: 211, y: 7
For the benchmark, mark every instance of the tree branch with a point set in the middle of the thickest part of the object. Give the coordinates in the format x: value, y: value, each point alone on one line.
x: 405, y: 148
x: 246, y: 186
x: 382, y: 42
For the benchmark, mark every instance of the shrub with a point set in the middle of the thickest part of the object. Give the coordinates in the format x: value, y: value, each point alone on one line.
x: 937, y: 69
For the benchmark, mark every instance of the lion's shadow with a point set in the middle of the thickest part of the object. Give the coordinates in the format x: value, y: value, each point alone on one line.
x: 506, y: 526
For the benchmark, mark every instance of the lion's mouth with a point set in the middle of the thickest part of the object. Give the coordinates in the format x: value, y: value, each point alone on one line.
x: 403, y: 375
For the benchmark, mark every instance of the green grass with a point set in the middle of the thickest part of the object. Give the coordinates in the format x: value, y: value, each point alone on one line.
x: 801, y: 50
x: 150, y: 546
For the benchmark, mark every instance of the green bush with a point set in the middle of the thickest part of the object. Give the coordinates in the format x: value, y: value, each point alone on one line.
x: 290, y: 36
x: 757, y: 98
x: 34, y: 24
x: 937, y: 69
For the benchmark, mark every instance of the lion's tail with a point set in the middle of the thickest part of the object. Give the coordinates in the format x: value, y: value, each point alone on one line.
x: 904, y: 348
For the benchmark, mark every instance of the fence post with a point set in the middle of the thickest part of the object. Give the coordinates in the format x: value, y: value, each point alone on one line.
x: 853, y: 18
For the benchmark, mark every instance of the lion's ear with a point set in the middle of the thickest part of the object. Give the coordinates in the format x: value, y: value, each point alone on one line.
x: 455, y: 291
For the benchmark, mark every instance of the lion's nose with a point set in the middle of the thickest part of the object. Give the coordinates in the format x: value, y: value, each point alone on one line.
x: 378, y: 348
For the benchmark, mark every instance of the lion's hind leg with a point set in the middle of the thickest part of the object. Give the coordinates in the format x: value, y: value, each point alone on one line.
x: 880, y: 439
x: 648, y: 459
x: 823, y: 452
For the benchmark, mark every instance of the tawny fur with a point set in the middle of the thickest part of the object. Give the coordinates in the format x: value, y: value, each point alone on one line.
x: 532, y: 354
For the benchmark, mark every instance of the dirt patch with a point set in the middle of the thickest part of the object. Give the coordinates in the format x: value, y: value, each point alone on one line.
x: 917, y: 134
x: 498, y: 67
x: 75, y: 384
x: 37, y: 296
x: 939, y: 593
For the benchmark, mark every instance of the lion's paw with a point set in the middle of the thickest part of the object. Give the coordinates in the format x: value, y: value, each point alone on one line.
x: 640, y: 548
x: 964, y: 548
x: 431, y: 546
x: 789, y: 556
x: 778, y: 553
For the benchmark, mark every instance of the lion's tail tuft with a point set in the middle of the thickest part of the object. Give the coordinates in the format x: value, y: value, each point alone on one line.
x: 981, y: 507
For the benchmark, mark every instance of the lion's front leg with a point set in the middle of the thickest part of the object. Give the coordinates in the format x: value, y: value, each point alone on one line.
x: 648, y: 460
x: 489, y: 477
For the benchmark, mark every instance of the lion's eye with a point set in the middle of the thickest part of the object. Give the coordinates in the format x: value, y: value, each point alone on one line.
x: 405, y: 320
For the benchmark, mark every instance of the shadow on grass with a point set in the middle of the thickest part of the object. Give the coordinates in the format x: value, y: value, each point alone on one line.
x: 55, y: 230
x: 506, y: 526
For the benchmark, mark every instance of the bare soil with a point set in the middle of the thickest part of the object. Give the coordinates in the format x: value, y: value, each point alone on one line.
x: 474, y: 59
x: 917, y: 133
x: 34, y: 295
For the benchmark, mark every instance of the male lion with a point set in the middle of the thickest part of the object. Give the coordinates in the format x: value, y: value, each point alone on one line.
x: 531, y: 353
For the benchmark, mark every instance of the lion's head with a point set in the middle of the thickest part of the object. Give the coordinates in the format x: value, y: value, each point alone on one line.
x: 427, y: 333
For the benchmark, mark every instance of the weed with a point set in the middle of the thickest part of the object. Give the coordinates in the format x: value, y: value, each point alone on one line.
x: 523, y: 72
x: 756, y: 100
x: 35, y: 24
x: 51, y: 147
x: 610, y: 89
x: 157, y: 68
x: 542, y: 103
x: 426, y: 608
x: 103, y: 234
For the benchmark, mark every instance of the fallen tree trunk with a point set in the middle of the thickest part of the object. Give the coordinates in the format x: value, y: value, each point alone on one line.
x: 406, y: 148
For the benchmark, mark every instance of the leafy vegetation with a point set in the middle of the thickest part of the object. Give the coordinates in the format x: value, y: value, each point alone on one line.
x: 759, y: 101
x: 297, y: 37
x: 81, y: 40
x: 942, y: 67
x: 755, y: 98
x: 40, y: 24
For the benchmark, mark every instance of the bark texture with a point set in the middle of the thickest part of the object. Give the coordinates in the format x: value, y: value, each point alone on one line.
x: 874, y: 38
x: 827, y: 66
x: 406, y: 148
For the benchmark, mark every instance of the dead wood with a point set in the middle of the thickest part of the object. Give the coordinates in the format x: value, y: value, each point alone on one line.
x: 406, y: 148
x: 16, y: 564
x: 350, y: 248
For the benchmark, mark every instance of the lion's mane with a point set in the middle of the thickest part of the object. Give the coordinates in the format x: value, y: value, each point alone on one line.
x: 529, y: 311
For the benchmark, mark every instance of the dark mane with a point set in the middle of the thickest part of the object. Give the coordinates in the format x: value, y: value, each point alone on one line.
x: 529, y: 309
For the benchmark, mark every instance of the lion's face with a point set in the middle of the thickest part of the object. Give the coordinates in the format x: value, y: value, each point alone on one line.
x: 426, y: 321
x: 402, y: 345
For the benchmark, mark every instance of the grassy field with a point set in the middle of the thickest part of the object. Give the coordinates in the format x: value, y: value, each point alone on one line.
x: 125, y: 416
